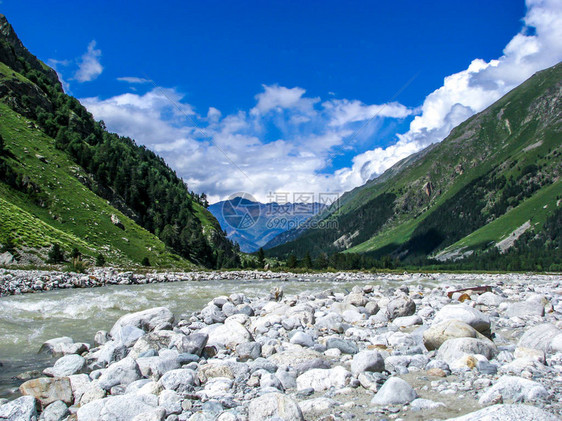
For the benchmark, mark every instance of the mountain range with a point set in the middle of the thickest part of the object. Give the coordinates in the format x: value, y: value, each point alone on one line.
x: 253, y: 225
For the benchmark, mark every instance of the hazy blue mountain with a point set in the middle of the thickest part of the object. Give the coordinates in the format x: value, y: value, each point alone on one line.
x: 252, y: 224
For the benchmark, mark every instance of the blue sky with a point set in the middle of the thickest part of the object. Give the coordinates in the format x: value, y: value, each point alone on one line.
x: 288, y: 96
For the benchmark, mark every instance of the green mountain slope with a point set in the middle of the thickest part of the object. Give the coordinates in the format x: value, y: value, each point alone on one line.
x: 465, y: 194
x: 65, y: 179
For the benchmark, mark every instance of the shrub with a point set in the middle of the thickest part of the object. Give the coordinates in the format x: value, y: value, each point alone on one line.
x: 77, y: 265
x: 100, y: 260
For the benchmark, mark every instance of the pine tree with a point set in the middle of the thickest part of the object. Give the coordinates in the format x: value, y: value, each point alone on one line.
x: 56, y: 254
x: 292, y: 261
x: 307, y: 262
x: 261, y: 258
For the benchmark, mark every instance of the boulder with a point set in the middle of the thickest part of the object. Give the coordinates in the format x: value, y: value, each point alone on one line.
x: 508, y: 413
x: 539, y: 337
x: 490, y: 299
x: 367, y: 361
x: 110, y: 352
x: 524, y: 309
x: 117, y: 408
x: 48, y: 390
x: 294, y: 357
x: 57, y: 411
x: 128, y: 335
x: 181, y: 380
x: 356, y: 299
x: 170, y: 401
x: 311, y: 407
x: 514, y: 389
x: 147, y: 320
x: 66, y: 366
x: 464, y: 313
x: 93, y: 392
x: 303, y: 339
x: 394, y: 391
x: 156, y: 414
x: 425, y: 404
x: 20, y: 409
x: 248, y: 351
x: 55, y: 346
x: 323, y: 379
x: 228, y: 335
x: 122, y: 373
x: 438, y: 333
x: 454, y: 349
x: 190, y: 344
x: 400, y: 307
x: 346, y: 347
x: 274, y: 406
x: 406, y: 321
x: 79, y: 383
x: 556, y: 344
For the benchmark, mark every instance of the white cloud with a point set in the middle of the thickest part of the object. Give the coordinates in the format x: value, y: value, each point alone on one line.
x: 278, y: 98
x: 89, y: 67
x: 465, y: 93
x: 228, y: 154
x: 233, y: 153
x: 134, y: 80
x: 344, y: 111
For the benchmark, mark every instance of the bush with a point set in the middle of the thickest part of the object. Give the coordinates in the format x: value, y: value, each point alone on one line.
x: 77, y: 265
x: 100, y: 260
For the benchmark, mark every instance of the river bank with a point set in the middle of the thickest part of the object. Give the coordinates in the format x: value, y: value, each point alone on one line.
x: 383, y: 347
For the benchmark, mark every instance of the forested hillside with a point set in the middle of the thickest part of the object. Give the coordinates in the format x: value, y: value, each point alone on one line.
x: 129, y: 178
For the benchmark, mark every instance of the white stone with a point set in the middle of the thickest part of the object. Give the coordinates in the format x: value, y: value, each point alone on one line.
x: 512, y: 388
x: 146, y: 320
x: 508, y: 413
x: 464, y: 313
x: 322, y: 379
x: 274, y: 406
x: 394, y: 391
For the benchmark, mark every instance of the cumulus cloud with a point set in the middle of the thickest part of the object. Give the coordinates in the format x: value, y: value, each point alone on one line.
x: 279, y: 98
x: 225, y: 154
x: 222, y: 154
x: 89, y: 67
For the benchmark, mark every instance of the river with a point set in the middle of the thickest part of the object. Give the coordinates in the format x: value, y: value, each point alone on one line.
x: 27, y: 321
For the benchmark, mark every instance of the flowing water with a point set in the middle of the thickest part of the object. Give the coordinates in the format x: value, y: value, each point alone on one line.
x: 27, y: 321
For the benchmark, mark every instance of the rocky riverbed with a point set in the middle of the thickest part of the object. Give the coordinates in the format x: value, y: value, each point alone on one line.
x: 413, y: 352
x: 16, y: 282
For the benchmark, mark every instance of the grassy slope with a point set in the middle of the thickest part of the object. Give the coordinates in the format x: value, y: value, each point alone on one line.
x: 535, y: 209
x: 74, y: 210
x: 510, y: 146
